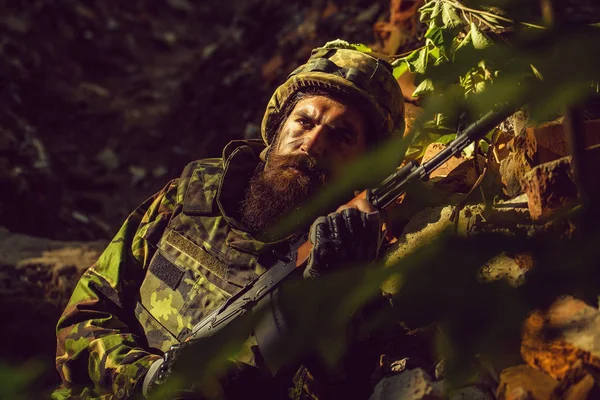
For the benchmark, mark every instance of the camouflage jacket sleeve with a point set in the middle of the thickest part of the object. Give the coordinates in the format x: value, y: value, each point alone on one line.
x: 98, y: 350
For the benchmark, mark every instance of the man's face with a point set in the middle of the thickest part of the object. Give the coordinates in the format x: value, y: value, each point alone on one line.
x: 331, y: 132
x: 315, y: 143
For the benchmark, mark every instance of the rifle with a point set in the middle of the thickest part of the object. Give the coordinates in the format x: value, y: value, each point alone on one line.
x: 380, y: 197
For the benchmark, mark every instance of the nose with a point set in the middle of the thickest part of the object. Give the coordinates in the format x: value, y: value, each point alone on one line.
x: 314, y: 142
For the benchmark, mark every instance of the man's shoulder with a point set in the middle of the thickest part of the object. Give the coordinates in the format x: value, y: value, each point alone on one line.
x: 210, y: 166
x: 199, y: 181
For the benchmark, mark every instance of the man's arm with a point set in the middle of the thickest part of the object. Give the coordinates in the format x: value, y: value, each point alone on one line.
x: 95, y: 346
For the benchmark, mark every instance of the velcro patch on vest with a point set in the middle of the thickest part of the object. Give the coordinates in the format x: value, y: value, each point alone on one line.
x: 198, y: 254
x: 164, y: 270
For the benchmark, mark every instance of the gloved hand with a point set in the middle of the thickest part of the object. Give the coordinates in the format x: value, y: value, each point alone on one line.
x: 160, y: 371
x: 345, y: 237
x: 236, y: 380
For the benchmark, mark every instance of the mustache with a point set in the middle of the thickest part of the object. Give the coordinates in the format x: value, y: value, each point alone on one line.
x: 301, y: 162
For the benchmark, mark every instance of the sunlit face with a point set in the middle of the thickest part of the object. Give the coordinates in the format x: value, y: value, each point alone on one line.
x: 331, y: 132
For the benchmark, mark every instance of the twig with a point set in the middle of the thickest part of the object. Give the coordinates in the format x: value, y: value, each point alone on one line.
x: 456, y: 212
x: 483, y: 21
x: 407, y: 53
x: 489, y: 14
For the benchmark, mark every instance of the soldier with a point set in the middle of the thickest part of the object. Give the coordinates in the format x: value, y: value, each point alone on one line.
x: 194, y: 244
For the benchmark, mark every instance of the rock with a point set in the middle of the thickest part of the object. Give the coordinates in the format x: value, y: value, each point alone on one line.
x: 37, y: 277
x: 584, y: 389
x: 411, y: 114
x: 555, y: 341
x: 503, y: 267
x: 523, y: 382
x: 421, y: 228
x: 514, y: 167
x: 549, y: 187
x: 469, y: 393
x: 159, y: 171
x: 415, y: 384
x: 138, y: 174
x: 108, y: 158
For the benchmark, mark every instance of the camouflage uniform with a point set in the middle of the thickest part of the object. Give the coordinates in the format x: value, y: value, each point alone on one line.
x: 203, y: 257
x: 183, y: 252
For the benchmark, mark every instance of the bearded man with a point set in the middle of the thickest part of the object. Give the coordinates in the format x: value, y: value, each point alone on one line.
x: 190, y: 247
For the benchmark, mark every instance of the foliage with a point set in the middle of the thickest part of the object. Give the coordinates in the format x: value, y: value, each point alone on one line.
x: 16, y: 382
x: 453, y: 29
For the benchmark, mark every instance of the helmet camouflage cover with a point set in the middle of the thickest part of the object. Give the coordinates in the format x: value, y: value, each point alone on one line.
x: 340, y: 68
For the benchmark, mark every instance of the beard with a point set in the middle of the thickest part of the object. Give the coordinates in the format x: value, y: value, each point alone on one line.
x: 277, y: 188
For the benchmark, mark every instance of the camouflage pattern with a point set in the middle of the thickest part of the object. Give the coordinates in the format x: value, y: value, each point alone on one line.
x: 366, y: 76
x: 176, y: 258
x: 182, y: 253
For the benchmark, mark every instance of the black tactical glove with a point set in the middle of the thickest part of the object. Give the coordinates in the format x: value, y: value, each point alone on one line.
x: 341, y: 238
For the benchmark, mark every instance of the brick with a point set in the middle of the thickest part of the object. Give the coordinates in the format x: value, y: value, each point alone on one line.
x: 448, y: 166
x: 549, y: 187
x: 551, y: 140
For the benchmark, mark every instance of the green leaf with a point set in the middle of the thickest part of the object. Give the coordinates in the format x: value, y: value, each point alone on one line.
x: 433, y: 50
x: 443, y: 39
x: 436, y: 17
x: 435, y: 34
x: 429, y: 11
x: 399, y: 68
x: 480, y: 86
x: 424, y: 87
x: 443, y: 122
x: 484, y: 146
x: 464, y: 42
x: 469, y: 150
x: 480, y: 39
x: 446, y: 138
x: 449, y: 17
x: 417, y: 61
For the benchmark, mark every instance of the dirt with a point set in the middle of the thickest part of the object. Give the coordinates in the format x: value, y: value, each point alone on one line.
x: 102, y: 104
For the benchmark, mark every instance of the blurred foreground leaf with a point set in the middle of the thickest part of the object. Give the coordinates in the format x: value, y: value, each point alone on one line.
x: 16, y: 382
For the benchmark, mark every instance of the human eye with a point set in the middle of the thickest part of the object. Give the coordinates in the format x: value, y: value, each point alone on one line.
x: 343, y: 136
x: 305, y: 122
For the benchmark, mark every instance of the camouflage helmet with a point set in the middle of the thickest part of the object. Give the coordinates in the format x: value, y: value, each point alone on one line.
x: 343, y: 69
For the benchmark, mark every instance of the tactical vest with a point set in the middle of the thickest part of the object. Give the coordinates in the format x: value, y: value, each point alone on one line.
x: 203, y: 256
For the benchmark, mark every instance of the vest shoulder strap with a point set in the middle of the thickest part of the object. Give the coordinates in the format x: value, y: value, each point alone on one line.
x: 198, y: 186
